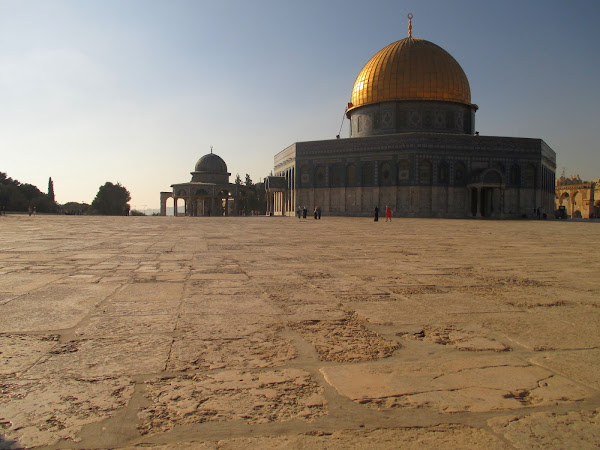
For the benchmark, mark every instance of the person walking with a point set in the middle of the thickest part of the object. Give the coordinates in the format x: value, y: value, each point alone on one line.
x: 299, y: 212
x: 315, y: 212
x: 304, y: 212
x: 388, y: 213
x: 376, y: 214
x: 319, y: 212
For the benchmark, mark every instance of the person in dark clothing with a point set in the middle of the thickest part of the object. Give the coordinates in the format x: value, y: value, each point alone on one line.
x: 376, y: 214
x: 304, y: 212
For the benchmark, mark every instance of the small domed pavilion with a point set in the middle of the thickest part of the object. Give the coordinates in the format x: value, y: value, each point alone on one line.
x: 209, y: 193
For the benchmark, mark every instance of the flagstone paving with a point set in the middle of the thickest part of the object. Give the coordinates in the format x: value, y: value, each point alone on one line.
x: 269, y: 332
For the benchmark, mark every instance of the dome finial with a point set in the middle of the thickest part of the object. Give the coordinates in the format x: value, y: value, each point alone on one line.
x: 410, y: 16
x: 211, y: 148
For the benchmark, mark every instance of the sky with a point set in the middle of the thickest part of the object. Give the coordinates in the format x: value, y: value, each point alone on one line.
x: 136, y: 91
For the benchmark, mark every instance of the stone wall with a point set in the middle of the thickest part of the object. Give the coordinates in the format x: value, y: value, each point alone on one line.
x: 419, y: 201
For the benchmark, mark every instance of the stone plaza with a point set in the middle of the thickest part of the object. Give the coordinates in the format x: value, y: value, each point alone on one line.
x: 274, y: 332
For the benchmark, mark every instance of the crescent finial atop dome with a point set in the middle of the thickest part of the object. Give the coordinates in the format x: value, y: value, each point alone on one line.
x: 410, y: 16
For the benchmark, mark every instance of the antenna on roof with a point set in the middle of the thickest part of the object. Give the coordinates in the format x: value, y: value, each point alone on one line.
x: 410, y: 16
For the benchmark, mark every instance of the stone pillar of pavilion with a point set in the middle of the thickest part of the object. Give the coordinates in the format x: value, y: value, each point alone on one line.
x: 164, y: 196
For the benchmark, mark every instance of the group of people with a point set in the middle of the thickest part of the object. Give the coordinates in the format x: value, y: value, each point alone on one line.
x: 302, y: 212
x: 388, y: 213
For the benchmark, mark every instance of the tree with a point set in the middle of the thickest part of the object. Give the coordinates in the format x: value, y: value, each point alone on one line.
x: 111, y: 200
x: 238, y: 179
x: 17, y: 196
x: 248, y: 181
x: 51, y: 189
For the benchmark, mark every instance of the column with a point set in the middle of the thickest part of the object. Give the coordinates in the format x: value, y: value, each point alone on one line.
x: 163, y: 205
x: 478, y: 214
x: 175, y: 206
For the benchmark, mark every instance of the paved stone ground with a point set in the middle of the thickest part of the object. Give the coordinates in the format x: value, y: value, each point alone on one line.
x: 264, y: 332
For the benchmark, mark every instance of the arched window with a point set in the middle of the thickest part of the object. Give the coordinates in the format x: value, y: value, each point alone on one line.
x: 367, y: 174
x: 425, y: 172
x: 403, y: 170
x: 305, y: 175
x: 385, y: 174
x: 530, y: 175
x: 460, y: 174
x: 320, y: 177
x: 492, y: 177
x: 515, y: 175
x: 336, y: 175
x: 443, y: 173
x: 351, y: 175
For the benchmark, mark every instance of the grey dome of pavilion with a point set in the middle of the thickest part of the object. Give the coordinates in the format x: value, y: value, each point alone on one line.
x: 211, y: 163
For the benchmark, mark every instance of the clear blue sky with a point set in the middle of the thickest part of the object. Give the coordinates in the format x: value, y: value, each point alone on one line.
x: 136, y: 91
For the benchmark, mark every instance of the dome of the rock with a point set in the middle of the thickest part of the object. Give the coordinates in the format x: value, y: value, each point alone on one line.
x: 411, y: 69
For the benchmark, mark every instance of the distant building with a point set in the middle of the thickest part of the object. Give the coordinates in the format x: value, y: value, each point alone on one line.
x: 581, y: 198
x: 413, y: 146
x: 209, y: 193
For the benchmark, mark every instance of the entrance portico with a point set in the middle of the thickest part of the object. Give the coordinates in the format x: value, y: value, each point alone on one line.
x: 486, y: 192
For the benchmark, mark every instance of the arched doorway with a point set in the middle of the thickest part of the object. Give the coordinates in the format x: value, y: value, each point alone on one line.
x: 487, y: 194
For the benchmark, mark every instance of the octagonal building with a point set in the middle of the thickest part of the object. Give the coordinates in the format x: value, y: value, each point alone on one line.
x: 413, y: 147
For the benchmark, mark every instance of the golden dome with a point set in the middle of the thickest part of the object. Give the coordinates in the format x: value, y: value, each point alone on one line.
x: 411, y: 69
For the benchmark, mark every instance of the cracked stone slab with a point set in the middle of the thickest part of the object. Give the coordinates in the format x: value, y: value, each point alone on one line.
x: 469, y: 302
x: 225, y: 326
x: 227, y: 305
x: 111, y: 357
x: 418, y: 438
x: 42, y: 412
x: 396, y: 312
x: 271, y: 396
x: 204, y: 287
x: 22, y: 282
x: 79, y: 278
x: 449, y: 383
x: 460, y: 338
x: 580, y: 365
x: 140, y: 308
x: 149, y: 292
x: 344, y: 340
x: 440, y: 436
x: 547, y: 328
x: 104, y: 325
x: 241, y: 277
x: 575, y: 429
x: 5, y: 298
x: 307, y: 305
x: 258, y: 348
x: 19, y: 352
x: 52, y: 307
